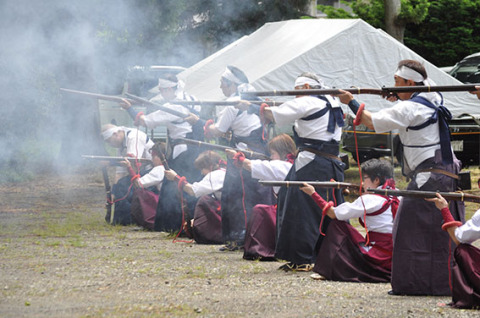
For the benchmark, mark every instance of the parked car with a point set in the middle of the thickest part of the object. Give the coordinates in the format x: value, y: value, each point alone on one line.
x: 465, y: 137
x: 139, y: 81
x: 370, y: 144
x: 468, y: 69
x: 464, y: 131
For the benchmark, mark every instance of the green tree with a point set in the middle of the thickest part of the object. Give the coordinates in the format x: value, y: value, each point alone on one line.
x: 450, y: 31
x: 444, y: 34
x: 390, y: 15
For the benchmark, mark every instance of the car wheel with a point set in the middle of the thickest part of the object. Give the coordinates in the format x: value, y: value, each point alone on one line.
x: 364, y: 156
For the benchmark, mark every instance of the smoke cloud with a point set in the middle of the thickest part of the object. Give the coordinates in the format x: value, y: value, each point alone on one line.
x: 89, y: 45
x: 85, y: 45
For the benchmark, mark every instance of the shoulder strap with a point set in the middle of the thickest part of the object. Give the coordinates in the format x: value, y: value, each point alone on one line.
x: 442, y: 115
x: 433, y: 119
x: 335, y: 115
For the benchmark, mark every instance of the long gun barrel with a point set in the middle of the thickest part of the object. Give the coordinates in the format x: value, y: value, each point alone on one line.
x: 136, y: 99
x: 456, y: 196
x: 384, y: 91
x: 248, y: 153
x: 116, y: 161
x: 222, y: 103
x: 158, y: 106
x: 112, y: 98
x: 317, y: 184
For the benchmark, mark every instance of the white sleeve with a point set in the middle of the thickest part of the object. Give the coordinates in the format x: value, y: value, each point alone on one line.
x: 136, y: 141
x: 400, y: 116
x: 153, y: 178
x: 394, y: 117
x: 212, y: 182
x: 274, y: 170
x: 226, y: 119
x: 470, y: 231
x: 161, y: 117
x: 367, y: 202
x: 288, y: 112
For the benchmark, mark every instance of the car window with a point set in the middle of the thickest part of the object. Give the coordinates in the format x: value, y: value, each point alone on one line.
x: 467, y: 70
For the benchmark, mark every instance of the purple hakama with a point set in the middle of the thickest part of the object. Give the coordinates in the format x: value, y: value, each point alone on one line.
x: 466, y: 277
x: 260, y: 236
x: 207, y: 221
x: 343, y: 255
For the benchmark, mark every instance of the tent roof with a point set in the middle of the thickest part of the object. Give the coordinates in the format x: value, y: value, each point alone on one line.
x: 344, y: 52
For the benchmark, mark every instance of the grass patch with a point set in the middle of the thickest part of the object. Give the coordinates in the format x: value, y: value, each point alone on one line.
x: 164, y: 253
x: 72, y: 224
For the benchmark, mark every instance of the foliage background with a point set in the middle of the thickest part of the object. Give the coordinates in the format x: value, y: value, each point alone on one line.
x: 442, y: 31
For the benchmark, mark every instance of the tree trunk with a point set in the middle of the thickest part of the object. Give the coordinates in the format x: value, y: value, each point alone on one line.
x: 393, y: 25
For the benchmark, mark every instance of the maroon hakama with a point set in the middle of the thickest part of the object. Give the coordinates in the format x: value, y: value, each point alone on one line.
x: 343, y: 256
x: 466, y: 277
x: 207, y: 221
x: 144, y: 207
x: 260, y: 236
x: 420, y: 263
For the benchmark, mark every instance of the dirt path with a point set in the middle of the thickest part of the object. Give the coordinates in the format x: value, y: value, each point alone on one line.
x: 58, y: 258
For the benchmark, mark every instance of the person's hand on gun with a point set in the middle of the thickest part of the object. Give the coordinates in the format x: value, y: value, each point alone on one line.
x: 230, y: 153
x: 170, y: 174
x: 126, y: 104
x: 476, y: 91
x: 243, y: 105
x: 126, y: 162
x: 192, y: 119
x: 308, y: 189
x: 439, y: 201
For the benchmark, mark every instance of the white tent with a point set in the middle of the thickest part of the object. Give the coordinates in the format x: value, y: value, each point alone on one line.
x: 344, y: 52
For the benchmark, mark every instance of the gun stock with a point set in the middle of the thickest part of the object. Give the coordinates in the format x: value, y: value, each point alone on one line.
x: 108, y: 190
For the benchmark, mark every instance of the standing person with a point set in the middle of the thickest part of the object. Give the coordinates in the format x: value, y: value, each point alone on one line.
x: 260, y: 234
x: 246, y: 128
x: 431, y: 165
x: 130, y: 142
x: 465, y: 274
x: 240, y: 192
x: 206, y: 224
x: 317, y: 131
x: 345, y: 255
x: 180, y: 156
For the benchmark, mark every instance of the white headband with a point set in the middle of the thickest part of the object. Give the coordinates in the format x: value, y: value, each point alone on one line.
x: 302, y: 80
x: 231, y: 77
x: 409, y: 74
x: 163, y: 83
x: 109, y: 132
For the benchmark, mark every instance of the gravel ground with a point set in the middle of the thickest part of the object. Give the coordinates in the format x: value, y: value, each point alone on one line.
x: 58, y: 258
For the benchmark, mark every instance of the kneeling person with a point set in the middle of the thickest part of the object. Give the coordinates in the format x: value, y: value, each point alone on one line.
x: 345, y: 255
x: 206, y: 224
